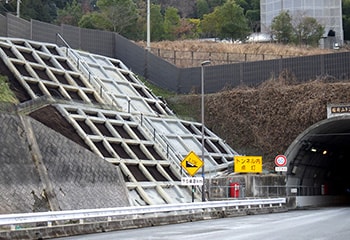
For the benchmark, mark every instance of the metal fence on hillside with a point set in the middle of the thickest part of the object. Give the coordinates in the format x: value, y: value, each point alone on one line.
x: 165, y: 74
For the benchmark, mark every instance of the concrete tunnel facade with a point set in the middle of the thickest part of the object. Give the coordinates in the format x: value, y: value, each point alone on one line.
x: 319, y: 158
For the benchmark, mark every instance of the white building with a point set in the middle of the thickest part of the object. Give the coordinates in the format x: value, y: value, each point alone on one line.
x: 327, y: 12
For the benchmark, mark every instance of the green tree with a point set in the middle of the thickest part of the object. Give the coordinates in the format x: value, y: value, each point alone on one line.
x: 171, y: 23
x: 196, y: 30
x: 282, y: 28
x: 215, y: 3
x: 308, y: 31
x: 210, y: 25
x: 141, y: 22
x: 233, y: 22
x: 227, y: 21
x: 157, y: 23
x: 251, y: 9
x: 45, y: 11
x: 120, y: 14
x: 187, y: 29
x: 94, y: 20
x: 253, y: 18
x: 202, y: 8
x: 71, y: 14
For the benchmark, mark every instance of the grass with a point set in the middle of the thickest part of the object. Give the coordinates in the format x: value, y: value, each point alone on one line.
x: 157, y: 90
x: 6, y: 95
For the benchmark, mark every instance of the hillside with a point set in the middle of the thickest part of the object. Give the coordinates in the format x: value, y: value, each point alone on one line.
x: 263, y: 120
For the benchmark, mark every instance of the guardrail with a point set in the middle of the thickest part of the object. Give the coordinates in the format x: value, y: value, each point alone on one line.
x: 19, y: 219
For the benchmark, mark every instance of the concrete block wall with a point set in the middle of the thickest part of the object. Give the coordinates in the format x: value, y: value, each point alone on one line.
x: 18, y: 175
x: 60, y: 176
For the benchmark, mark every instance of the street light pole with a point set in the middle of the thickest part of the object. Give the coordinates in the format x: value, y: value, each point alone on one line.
x: 148, y: 46
x: 18, y: 7
x: 203, y: 64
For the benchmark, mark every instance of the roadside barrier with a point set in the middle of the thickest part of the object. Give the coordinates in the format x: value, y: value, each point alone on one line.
x: 15, y: 220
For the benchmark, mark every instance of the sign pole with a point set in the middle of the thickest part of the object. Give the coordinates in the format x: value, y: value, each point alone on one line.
x: 192, y: 193
x: 192, y: 163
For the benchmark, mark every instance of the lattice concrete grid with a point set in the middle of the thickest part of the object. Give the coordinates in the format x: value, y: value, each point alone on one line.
x: 117, y: 116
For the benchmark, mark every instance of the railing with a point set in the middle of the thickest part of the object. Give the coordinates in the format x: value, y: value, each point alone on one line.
x: 18, y: 219
x: 304, y: 190
x: 172, y: 155
x: 239, y: 191
x: 84, y: 68
x: 272, y: 191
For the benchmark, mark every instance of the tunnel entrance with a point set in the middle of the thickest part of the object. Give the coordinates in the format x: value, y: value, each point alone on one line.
x: 319, y: 158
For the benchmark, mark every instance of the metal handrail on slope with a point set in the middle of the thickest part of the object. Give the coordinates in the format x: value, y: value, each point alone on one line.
x: 157, y: 137
x: 49, y: 217
x: 81, y: 65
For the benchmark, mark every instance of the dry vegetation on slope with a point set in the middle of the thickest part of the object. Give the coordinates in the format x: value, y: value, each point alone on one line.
x: 190, y: 53
x: 250, y: 48
x: 265, y: 120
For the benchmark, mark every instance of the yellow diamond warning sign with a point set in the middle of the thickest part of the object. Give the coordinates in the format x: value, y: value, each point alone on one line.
x: 192, y: 163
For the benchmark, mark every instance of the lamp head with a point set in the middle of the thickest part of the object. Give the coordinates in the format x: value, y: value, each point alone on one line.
x: 207, y: 62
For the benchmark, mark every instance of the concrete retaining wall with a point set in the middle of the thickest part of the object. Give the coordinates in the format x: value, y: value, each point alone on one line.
x: 41, y: 170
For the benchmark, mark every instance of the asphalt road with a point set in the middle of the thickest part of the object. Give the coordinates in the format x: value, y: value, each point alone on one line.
x: 312, y: 224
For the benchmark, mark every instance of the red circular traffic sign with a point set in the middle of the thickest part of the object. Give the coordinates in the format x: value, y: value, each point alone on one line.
x: 280, y: 160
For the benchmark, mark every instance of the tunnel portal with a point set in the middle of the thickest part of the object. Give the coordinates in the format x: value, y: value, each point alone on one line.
x: 319, y: 158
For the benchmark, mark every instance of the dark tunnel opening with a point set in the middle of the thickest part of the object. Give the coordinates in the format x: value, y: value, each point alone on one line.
x: 319, y: 158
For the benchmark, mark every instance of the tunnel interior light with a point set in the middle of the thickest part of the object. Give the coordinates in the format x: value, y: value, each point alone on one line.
x: 324, y: 152
x: 313, y: 150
